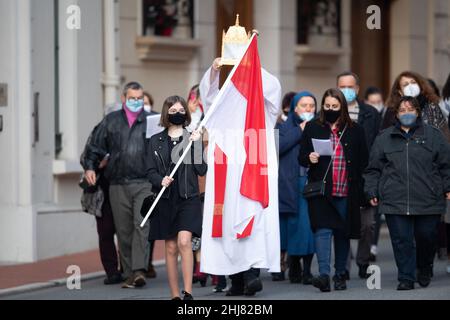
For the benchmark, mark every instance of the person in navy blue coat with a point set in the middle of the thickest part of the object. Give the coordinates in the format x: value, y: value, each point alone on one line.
x: 295, y: 231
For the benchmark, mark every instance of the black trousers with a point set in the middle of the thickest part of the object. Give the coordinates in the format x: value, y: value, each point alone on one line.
x: 106, y: 231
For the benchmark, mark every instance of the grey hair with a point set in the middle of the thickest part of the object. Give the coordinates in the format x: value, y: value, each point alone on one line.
x: 133, y: 86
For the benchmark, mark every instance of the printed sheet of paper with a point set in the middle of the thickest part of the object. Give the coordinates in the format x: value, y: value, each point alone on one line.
x: 323, y: 147
x: 153, y: 125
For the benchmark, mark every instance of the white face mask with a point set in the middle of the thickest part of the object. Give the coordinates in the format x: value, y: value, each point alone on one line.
x: 379, y: 107
x: 148, y: 108
x: 284, y: 117
x: 411, y: 90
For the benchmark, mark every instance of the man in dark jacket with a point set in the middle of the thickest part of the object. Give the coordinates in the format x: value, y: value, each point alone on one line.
x: 408, y: 177
x: 369, y: 119
x: 121, y: 134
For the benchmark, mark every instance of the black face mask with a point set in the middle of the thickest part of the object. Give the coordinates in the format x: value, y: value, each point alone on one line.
x: 331, y: 116
x: 177, y: 118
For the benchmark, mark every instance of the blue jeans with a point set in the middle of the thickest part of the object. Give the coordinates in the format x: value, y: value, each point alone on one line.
x: 322, y: 239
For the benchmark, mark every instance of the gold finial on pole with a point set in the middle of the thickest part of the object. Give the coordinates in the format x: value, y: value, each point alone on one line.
x: 237, y: 21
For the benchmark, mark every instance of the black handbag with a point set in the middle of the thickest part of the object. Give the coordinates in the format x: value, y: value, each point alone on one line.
x: 314, y: 189
x: 147, y: 204
x: 317, y: 188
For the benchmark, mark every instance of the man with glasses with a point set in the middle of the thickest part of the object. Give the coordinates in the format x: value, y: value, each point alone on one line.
x: 121, y: 135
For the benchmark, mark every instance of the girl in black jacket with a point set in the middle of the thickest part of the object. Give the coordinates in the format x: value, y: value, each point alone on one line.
x: 179, y: 213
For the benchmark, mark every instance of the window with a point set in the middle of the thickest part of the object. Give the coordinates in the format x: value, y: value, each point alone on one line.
x: 168, y: 18
x: 319, y: 23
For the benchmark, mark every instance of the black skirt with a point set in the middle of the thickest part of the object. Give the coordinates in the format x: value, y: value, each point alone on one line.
x: 174, y: 215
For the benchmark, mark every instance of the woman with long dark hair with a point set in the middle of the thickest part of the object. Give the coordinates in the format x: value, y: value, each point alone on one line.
x: 337, y: 211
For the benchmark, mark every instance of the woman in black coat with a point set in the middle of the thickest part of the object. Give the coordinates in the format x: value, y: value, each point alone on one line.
x: 408, y: 177
x: 179, y: 212
x: 337, y: 213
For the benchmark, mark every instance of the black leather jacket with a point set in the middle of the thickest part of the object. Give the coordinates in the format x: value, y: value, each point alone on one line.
x: 127, y: 147
x: 161, y: 164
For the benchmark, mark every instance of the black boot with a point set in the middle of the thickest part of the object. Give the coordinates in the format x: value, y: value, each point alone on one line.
x: 307, y: 276
x: 405, y: 285
x: 363, y: 271
x: 322, y: 283
x: 295, y: 269
x: 252, y: 283
x: 339, y: 282
x: 253, y: 287
x: 237, y: 285
x: 278, y: 276
x: 424, y: 276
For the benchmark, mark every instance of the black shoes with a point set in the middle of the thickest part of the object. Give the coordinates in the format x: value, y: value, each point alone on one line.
x: 405, y: 285
x: 322, y: 283
x: 114, y: 279
x: 424, y: 278
x: 187, y: 296
x: 307, y: 279
x: 339, y: 283
x: 252, y: 287
x: 249, y: 290
x: 278, y: 276
x: 363, y: 271
x: 139, y: 279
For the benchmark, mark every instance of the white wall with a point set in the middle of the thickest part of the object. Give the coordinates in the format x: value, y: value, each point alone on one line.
x: 61, y: 227
x: 40, y: 214
x: 17, y: 233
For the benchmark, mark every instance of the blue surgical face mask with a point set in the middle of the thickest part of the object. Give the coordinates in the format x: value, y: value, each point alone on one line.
x: 408, y: 119
x: 307, y: 116
x: 350, y: 94
x: 135, y: 105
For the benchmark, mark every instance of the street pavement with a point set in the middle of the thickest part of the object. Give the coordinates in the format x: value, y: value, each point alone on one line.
x: 157, y: 289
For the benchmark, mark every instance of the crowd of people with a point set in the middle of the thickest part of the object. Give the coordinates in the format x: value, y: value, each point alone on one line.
x: 389, y: 157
